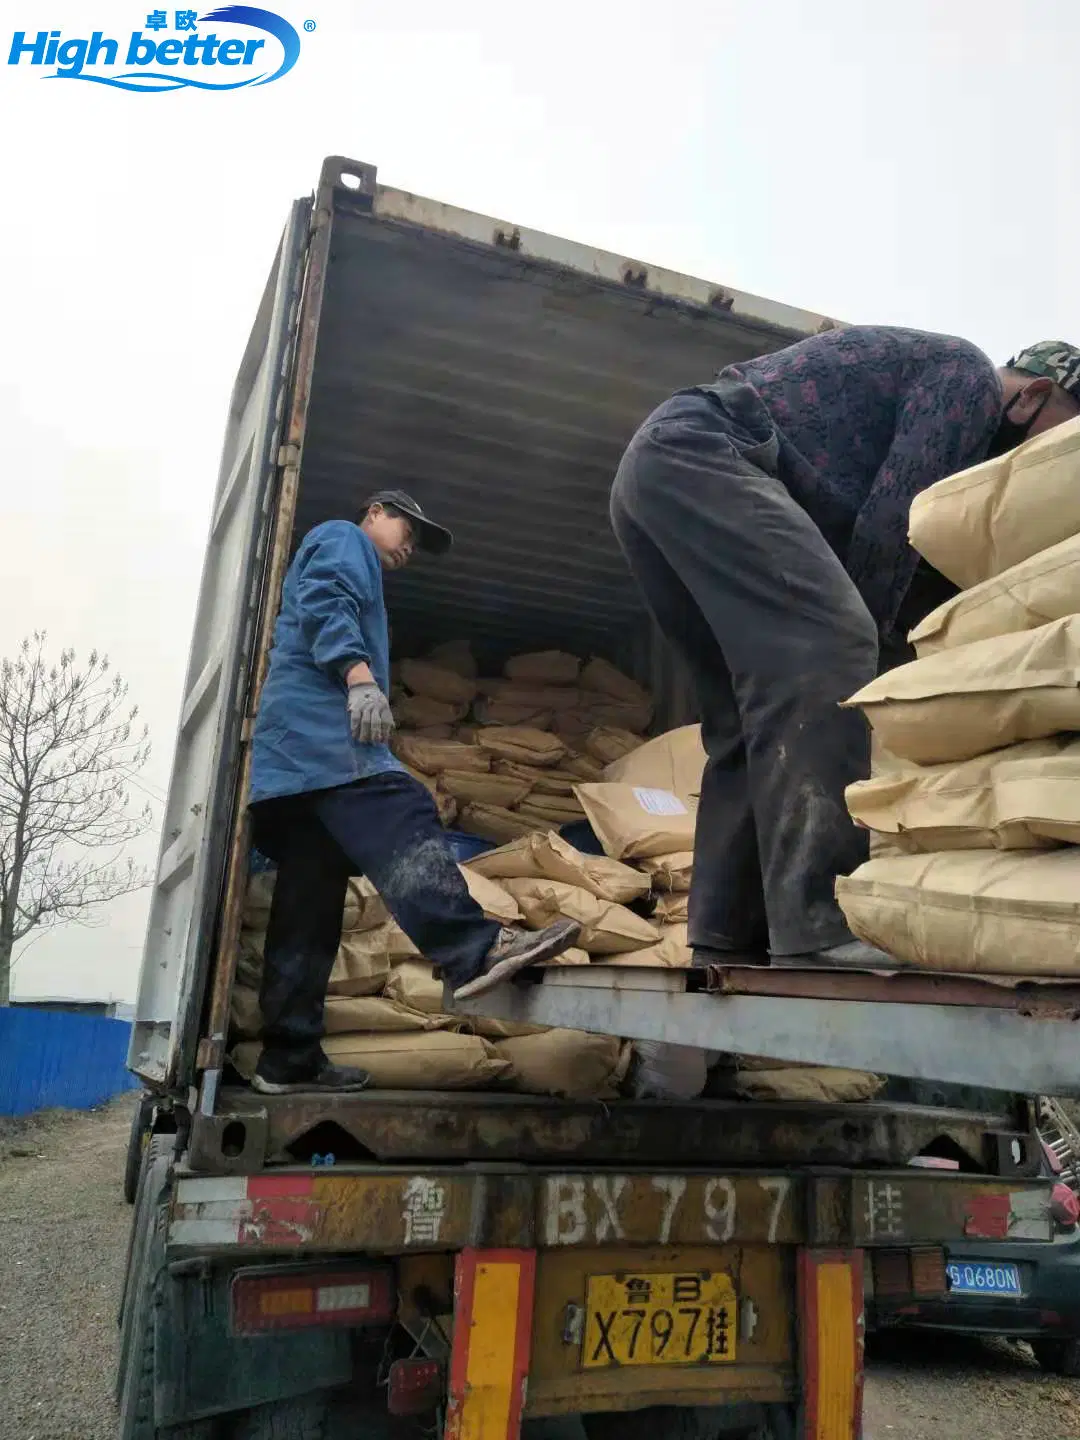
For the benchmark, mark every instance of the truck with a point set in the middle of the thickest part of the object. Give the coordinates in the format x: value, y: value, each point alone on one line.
x: 480, y: 1265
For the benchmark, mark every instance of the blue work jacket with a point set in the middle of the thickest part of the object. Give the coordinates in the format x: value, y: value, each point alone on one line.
x: 333, y: 615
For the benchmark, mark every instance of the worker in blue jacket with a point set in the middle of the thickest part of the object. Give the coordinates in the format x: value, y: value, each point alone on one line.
x: 329, y: 800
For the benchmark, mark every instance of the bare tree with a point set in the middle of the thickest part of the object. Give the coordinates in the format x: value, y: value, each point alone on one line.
x: 68, y: 743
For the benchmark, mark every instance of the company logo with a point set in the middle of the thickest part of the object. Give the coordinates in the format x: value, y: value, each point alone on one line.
x: 189, y: 59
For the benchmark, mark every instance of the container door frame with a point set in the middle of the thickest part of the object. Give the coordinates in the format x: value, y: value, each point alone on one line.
x: 200, y: 812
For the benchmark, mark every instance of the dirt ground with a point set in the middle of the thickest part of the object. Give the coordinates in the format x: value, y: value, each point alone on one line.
x: 63, y: 1239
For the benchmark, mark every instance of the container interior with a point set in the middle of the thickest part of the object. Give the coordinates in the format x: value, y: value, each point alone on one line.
x: 501, y: 393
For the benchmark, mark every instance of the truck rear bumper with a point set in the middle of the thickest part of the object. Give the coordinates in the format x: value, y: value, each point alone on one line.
x: 402, y: 1210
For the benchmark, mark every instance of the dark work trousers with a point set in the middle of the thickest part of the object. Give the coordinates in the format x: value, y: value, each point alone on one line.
x: 387, y: 828
x: 743, y: 584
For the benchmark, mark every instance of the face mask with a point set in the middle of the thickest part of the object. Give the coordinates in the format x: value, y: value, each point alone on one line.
x: 1011, y: 433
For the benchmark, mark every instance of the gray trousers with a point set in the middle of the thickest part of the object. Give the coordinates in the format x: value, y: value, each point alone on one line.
x: 742, y: 583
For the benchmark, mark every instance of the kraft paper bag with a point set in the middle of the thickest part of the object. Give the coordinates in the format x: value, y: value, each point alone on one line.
x: 423, y: 677
x: 974, y: 912
x: 635, y: 822
x: 531, y: 747
x: 671, y: 951
x: 412, y: 983
x: 607, y: 928
x: 675, y: 762
x: 494, y: 899
x: 506, y: 715
x: 543, y: 782
x: 671, y: 873
x: 1025, y: 797
x: 531, y: 697
x: 823, y: 1084
x: 549, y: 856
x: 608, y: 743
x: 961, y: 703
x: 974, y: 525
x: 551, y: 810
x: 545, y: 667
x: 1044, y: 588
x: 455, y: 655
x: 428, y: 1060
x: 601, y: 678
x: 363, y: 961
x: 495, y: 823
x: 434, y: 756
x: 570, y: 1064
x: 469, y: 787
x: 421, y: 710
x: 376, y: 1014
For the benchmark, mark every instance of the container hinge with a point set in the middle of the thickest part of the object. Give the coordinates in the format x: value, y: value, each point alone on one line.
x: 288, y: 455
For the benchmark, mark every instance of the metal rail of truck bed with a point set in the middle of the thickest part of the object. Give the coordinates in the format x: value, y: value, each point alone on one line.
x: 1005, y: 1033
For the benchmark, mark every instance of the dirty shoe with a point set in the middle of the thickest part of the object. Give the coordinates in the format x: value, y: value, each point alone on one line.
x: 852, y: 955
x: 339, y: 1079
x: 514, y: 950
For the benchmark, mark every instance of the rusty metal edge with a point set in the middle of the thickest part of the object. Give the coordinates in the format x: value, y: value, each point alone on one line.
x: 424, y: 1128
x: 211, y: 1050
x: 1060, y: 999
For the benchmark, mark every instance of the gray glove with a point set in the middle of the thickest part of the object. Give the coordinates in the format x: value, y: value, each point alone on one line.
x: 370, y: 717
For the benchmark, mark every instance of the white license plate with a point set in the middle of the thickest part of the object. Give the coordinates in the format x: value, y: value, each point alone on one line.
x: 984, y: 1277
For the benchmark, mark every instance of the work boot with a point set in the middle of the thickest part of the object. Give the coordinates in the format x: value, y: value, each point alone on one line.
x: 328, y: 1077
x: 515, y: 950
x: 705, y: 957
x: 851, y: 955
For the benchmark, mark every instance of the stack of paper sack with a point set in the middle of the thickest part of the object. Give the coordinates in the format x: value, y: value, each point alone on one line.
x: 974, y: 795
x: 384, y: 1010
x: 502, y: 756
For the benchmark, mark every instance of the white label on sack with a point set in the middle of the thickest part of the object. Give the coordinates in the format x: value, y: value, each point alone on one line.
x: 659, y: 802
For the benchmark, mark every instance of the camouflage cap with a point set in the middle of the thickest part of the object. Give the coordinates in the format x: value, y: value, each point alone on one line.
x: 1055, y: 358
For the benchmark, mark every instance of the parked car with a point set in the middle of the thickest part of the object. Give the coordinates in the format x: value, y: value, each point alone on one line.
x: 1025, y: 1291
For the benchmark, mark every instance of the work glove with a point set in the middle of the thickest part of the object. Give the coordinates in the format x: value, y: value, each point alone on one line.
x: 370, y: 717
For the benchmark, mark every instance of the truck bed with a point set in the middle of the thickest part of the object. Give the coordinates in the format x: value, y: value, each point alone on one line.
x: 1002, y: 1033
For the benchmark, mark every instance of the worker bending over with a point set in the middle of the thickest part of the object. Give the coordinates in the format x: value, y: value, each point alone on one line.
x: 765, y: 520
x: 329, y: 800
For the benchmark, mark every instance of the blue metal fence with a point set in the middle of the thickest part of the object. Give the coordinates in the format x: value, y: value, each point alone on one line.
x: 52, y: 1058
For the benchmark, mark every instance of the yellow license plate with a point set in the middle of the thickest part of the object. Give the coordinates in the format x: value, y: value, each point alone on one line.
x: 669, y: 1319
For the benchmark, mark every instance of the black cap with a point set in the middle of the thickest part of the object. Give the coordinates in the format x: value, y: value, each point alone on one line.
x: 435, y: 539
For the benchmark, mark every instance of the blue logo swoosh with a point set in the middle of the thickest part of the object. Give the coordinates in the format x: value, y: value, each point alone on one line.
x: 263, y: 20
x: 155, y: 82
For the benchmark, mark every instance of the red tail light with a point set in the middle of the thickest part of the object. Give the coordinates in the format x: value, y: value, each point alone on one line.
x: 1064, y: 1206
x: 278, y: 1299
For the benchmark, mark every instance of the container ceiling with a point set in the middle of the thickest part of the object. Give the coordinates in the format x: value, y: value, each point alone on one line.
x: 500, y: 392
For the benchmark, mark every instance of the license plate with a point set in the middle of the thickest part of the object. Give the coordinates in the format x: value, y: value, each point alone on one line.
x: 650, y: 1319
x: 983, y: 1277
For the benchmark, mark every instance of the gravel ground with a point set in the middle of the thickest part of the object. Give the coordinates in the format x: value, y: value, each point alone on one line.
x: 63, y: 1239
x: 935, y: 1387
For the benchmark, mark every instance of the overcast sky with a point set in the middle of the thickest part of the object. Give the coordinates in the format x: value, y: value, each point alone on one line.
x: 912, y: 164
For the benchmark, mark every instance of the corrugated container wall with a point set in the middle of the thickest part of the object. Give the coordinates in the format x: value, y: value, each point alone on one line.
x: 501, y: 392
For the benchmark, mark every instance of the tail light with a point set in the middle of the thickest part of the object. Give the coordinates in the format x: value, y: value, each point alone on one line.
x: 1064, y: 1207
x: 899, y: 1273
x: 279, y: 1299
